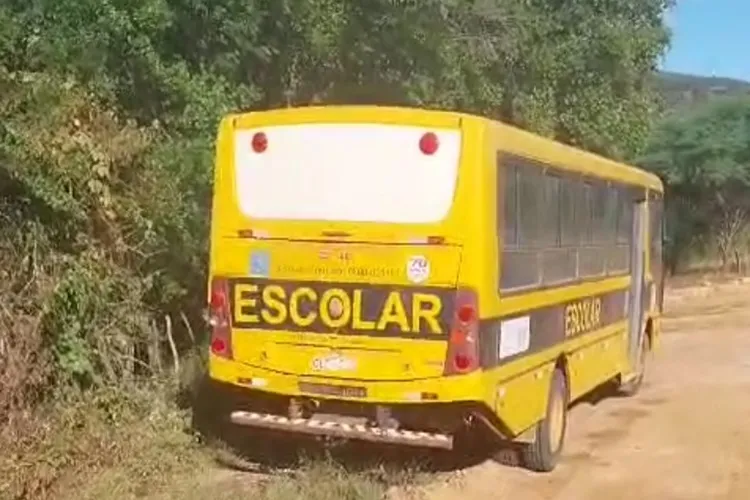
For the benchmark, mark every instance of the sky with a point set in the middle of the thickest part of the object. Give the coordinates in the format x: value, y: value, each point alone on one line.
x: 710, y: 37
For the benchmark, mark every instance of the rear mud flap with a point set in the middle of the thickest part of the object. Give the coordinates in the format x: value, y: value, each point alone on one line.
x: 342, y: 430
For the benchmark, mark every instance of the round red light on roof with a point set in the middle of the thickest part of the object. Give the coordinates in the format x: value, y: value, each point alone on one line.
x: 429, y: 143
x: 260, y: 142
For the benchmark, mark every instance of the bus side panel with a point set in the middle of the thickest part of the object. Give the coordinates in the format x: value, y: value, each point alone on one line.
x: 519, y: 387
x: 520, y: 401
x: 578, y: 312
x: 516, y: 391
x: 598, y: 360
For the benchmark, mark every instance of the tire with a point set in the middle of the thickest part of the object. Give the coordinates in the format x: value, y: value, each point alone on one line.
x: 632, y: 387
x: 544, y: 452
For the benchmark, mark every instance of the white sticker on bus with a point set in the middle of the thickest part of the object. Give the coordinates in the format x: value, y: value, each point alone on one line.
x: 418, y: 269
x: 515, y: 336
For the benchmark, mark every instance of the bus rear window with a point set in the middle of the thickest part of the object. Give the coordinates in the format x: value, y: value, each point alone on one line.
x: 347, y: 172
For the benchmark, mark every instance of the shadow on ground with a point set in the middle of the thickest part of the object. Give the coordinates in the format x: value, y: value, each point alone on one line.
x: 267, y: 452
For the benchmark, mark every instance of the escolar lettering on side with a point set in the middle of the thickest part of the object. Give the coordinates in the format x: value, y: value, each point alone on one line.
x: 583, y: 316
x: 338, y: 308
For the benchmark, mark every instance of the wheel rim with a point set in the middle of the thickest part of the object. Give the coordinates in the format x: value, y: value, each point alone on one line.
x: 556, y: 423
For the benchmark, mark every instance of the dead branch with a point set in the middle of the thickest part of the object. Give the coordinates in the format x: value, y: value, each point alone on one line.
x: 154, y: 349
x: 172, y: 346
x: 188, y: 327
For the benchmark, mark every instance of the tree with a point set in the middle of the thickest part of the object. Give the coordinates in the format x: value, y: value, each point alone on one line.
x: 704, y: 157
x: 110, y: 109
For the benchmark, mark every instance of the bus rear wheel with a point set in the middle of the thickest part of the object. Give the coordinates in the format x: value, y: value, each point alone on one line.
x: 543, y: 453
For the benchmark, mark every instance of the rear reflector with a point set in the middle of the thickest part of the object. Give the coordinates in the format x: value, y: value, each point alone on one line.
x: 463, y: 346
x: 218, y: 346
x: 219, y: 318
x: 462, y: 362
x: 421, y: 396
x: 253, y: 233
x: 429, y: 240
x: 253, y: 382
x: 466, y: 313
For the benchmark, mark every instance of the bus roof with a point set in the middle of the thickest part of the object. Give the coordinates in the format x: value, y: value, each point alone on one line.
x: 546, y: 149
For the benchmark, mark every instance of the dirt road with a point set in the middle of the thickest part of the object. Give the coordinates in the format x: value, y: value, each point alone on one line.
x: 685, y: 436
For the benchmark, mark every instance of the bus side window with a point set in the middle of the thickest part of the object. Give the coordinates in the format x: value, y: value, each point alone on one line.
x: 603, y: 230
x: 549, y: 236
x: 510, y: 213
x: 560, y: 227
x: 521, y: 204
x: 619, y: 256
x: 560, y: 253
x: 584, y: 212
x: 592, y: 257
x: 572, y: 216
x: 559, y: 258
x: 625, y: 216
x: 531, y: 208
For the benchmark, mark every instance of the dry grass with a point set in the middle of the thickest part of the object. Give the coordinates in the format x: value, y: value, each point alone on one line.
x: 119, y: 446
x: 103, y: 445
x: 324, y: 481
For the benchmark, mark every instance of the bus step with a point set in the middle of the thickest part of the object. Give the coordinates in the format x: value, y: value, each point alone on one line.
x: 360, y: 432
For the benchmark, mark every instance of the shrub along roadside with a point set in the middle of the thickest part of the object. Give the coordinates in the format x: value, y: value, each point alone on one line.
x: 100, y: 244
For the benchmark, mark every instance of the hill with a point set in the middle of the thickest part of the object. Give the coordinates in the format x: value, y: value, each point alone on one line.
x: 682, y: 89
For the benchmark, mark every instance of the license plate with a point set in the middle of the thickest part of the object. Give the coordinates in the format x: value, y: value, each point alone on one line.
x: 333, y: 363
x: 333, y: 390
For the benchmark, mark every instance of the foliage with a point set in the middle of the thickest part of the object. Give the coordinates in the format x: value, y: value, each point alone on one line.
x: 704, y: 157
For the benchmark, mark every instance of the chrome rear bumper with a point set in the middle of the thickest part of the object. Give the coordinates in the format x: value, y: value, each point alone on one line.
x: 342, y: 430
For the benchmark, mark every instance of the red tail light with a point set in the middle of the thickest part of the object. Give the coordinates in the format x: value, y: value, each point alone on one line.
x: 219, y: 318
x: 463, y: 346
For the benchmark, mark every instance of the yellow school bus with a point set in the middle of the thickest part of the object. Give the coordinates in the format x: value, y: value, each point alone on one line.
x: 420, y: 277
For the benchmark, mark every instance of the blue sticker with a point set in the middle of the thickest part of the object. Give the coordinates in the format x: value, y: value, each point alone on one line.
x: 260, y: 263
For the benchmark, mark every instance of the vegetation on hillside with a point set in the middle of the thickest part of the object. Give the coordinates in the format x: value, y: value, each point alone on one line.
x: 109, y: 110
x: 681, y: 92
x: 703, y: 155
